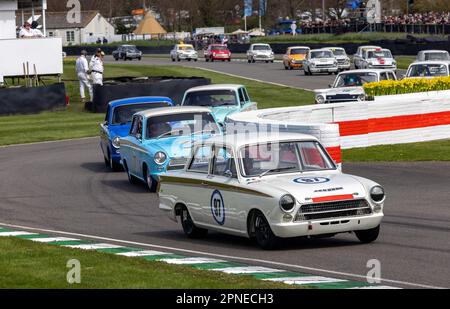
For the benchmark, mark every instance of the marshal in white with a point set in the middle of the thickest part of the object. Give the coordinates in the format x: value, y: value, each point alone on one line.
x: 269, y: 187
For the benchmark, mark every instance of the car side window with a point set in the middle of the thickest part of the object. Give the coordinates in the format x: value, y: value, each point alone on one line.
x: 224, y: 163
x: 139, y: 127
x: 241, y: 96
x: 246, y: 96
x: 200, y: 161
x: 134, y: 127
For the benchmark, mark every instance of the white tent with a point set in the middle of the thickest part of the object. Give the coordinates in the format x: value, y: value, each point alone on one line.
x: 240, y: 31
x: 256, y: 32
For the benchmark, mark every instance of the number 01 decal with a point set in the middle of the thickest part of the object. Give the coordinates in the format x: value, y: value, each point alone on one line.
x: 218, y: 207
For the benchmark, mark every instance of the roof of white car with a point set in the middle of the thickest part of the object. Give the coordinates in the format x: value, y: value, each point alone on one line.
x: 367, y: 71
x: 294, y: 47
x: 264, y: 44
x: 332, y: 47
x: 446, y: 62
x: 173, y: 110
x: 370, y: 47
x: 216, y: 87
x: 242, y: 139
x: 433, y: 51
x: 319, y: 49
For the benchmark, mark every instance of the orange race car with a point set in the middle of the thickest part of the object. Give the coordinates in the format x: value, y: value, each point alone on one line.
x: 294, y: 57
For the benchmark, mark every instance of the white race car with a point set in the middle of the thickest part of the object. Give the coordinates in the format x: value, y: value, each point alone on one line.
x: 320, y: 61
x: 348, y: 86
x: 265, y: 187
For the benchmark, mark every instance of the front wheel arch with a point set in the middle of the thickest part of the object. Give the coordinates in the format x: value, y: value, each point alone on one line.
x: 250, y: 219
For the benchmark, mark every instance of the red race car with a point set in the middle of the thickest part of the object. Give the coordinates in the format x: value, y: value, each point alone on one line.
x: 217, y: 52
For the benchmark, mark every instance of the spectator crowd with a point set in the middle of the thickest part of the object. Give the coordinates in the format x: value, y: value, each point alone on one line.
x: 430, y: 18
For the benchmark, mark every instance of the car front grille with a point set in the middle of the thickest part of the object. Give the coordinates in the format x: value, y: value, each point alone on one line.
x: 177, y: 164
x: 341, y: 98
x: 332, y: 210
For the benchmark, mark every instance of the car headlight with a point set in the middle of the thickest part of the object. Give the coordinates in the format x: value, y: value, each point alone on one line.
x: 362, y: 97
x: 160, y: 158
x: 377, y: 194
x: 287, y: 203
x: 116, y: 142
x: 320, y: 99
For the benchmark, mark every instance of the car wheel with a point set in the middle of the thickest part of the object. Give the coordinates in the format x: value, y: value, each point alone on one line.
x: 178, y: 59
x: 189, y: 227
x: 117, y: 59
x: 267, y: 61
x: 152, y: 184
x: 212, y: 59
x: 229, y: 60
x: 133, y: 180
x: 195, y: 60
x: 207, y: 59
x: 264, y: 236
x: 368, y: 236
x: 173, y: 59
x: 253, y: 60
x: 106, y: 161
x: 291, y: 68
x: 113, y: 165
x: 140, y: 58
x: 249, y: 60
x: 189, y: 60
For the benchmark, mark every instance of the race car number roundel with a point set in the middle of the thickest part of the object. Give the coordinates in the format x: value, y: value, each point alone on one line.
x: 311, y: 180
x: 218, y: 207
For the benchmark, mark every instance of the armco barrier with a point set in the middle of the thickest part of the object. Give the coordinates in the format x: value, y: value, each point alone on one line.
x: 396, y: 119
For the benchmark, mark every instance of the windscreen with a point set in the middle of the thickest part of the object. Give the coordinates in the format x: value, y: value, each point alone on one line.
x: 213, y: 98
x: 124, y: 114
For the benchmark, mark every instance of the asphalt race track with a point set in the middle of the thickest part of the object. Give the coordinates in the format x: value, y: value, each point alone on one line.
x: 268, y: 72
x: 64, y: 186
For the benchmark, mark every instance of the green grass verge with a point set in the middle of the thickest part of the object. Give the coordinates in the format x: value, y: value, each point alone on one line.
x: 75, y: 123
x: 361, y: 38
x: 403, y: 62
x: 25, y: 264
x: 427, y: 151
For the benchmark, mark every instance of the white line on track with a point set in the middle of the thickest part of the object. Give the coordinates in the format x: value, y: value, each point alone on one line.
x: 249, y: 78
x: 237, y: 258
x: 50, y: 142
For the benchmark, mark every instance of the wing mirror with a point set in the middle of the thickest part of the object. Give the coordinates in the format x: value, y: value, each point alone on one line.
x: 330, y: 86
x: 228, y: 174
x: 139, y: 137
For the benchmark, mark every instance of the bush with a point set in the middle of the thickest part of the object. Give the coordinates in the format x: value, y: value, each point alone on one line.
x: 410, y: 85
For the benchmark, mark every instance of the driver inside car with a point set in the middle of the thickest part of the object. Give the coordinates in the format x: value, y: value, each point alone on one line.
x: 157, y: 129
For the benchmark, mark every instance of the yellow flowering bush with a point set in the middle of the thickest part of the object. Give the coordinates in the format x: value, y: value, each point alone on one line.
x: 410, y: 85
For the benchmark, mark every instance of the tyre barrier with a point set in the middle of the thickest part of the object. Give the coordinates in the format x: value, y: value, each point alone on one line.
x: 395, y: 119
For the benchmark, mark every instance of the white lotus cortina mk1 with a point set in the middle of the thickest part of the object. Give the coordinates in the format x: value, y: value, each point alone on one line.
x: 270, y: 187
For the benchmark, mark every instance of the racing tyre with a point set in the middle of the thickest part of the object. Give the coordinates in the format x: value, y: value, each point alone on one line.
x: 206, y: 59
x: 117, y: 59
x: 173, y: 59
x: 229, y: 60
x: 140, y: 58
x: 291, y: 68
x: 267, y: 61
x: 264, y: 236
x: 113, y: 165
x: 195, y: 60
x: 286, y: 68
x: 178, y: 59
x: 152, y: 184
x: 368, y: 236
x: 271, y: 61
x: 133, y: 180
x: 212, y: 59
x: 189, y: 227
x: 249, y: 60
x: 253, y: 60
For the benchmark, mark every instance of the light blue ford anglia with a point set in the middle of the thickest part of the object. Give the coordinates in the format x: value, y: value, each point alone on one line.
x: 161, y: 139
x: 222, y: 99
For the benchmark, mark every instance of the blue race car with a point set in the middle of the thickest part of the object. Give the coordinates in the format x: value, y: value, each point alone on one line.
x: 118, y: 123
x: 223, y: 100
x: 161, y: 139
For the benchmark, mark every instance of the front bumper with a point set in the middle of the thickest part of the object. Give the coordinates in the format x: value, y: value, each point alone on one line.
x: 186, y: 56
x: 326, y: 226
x: 296, y: 64
x: 344, y: 66
x: 324, y: 69
x: 383, y: 67
x: 221, y: 57
x: 263, y: 57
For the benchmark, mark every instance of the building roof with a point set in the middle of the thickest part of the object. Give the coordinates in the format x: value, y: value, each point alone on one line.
x: 149, y: 25
x: 58, y: 20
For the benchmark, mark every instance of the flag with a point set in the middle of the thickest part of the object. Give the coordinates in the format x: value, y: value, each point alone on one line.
x: 262, y: 7
x: 248, y: 8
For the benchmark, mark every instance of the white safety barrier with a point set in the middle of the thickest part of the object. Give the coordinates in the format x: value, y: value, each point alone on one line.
x: 255, y: 121
x: 392, y: 119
